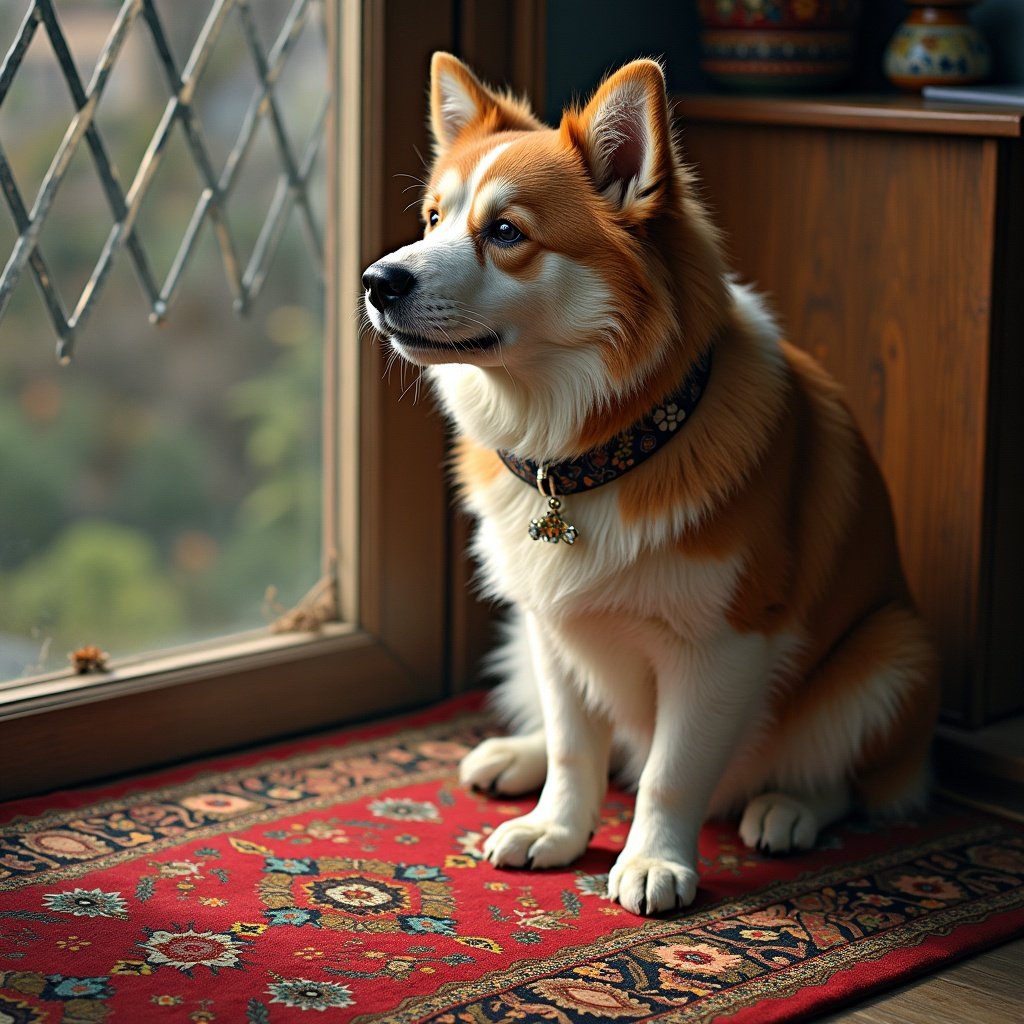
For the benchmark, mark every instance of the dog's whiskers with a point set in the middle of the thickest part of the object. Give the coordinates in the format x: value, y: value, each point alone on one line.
x: 418, y: 184
x: 392, y: 357
x: 414, y: 385
x: 417, y: 180
x: 473, y: 317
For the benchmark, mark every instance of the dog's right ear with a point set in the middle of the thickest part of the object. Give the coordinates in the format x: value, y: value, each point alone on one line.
x: 459, y: 101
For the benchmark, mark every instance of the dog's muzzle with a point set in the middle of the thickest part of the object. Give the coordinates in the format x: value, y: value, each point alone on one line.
x: 387, y: 282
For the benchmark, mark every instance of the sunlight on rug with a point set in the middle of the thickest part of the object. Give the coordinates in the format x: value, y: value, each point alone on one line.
x: 343, y: 875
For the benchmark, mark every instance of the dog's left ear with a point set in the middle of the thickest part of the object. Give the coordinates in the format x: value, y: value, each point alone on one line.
x: 624, y: 138
x: 460, y: 102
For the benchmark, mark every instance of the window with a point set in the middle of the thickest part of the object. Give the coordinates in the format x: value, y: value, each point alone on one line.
x: 162, y: 487
x: 277, y: 429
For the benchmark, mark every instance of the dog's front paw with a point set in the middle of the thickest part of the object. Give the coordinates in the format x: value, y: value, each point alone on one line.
x: 648, y: 885
x: 533, y: 842
x: 510, y: 765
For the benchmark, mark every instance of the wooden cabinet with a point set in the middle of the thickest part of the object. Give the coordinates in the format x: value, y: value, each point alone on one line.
x: 888, y: 235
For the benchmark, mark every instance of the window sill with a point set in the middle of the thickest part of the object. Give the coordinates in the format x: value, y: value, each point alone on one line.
x: 60, y: 729
x: 199, y: 661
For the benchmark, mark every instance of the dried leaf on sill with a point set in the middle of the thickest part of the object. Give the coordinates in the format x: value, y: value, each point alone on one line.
x: 317, y: 607
x: 89, y: 658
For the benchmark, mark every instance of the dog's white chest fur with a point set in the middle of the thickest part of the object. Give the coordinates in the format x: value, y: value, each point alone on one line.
x: 611, y: 568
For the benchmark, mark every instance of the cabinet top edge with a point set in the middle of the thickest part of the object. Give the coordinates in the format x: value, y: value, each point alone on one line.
x: 863, y: 113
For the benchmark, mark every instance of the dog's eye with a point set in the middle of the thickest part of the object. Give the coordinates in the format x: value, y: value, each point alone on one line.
x: 504, y: 232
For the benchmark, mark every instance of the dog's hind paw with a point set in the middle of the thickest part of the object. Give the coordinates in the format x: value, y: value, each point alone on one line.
x: 647, y: 885
x: 778, y: 823
x: 509, y: 765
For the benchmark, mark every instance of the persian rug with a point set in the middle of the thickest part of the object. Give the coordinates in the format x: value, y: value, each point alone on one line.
x: 341, y: 878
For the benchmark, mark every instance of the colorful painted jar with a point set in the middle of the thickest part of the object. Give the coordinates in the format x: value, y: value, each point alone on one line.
x: 778, y: 45
x: 937, y: 45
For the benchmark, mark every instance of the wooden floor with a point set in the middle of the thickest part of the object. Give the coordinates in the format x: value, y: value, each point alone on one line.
x: 985, y: 989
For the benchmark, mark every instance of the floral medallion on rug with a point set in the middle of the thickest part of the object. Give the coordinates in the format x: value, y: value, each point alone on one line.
x: 341, y: 878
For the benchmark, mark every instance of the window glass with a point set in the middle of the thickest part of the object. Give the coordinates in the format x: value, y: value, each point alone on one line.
x: 163, y: 487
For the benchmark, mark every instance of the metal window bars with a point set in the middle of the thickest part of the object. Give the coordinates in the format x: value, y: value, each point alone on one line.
x: 291, y: 190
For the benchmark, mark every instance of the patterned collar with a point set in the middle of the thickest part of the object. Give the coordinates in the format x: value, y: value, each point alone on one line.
x: 626, y: 450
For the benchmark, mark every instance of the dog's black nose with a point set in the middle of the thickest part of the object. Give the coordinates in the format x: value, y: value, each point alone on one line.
x: 385, y: 282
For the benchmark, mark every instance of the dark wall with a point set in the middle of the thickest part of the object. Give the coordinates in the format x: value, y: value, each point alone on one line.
x: 1002, y: 21
x: 588, y: 38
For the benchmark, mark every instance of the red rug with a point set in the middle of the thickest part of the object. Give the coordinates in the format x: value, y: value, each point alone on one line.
x: 342, y: 876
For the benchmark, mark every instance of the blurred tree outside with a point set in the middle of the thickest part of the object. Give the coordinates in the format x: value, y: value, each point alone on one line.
x: 151, y: 491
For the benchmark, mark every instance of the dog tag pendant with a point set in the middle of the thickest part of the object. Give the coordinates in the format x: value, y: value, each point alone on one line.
x: 551, y: 528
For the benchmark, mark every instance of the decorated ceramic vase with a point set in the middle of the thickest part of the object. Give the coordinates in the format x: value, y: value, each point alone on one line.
x: 937, y: 45
x: 778, y: 45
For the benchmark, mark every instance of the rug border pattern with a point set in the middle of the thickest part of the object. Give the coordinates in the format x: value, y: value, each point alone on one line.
x: 774, y: 984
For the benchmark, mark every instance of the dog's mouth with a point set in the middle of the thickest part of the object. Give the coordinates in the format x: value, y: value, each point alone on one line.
x: 418, y: 344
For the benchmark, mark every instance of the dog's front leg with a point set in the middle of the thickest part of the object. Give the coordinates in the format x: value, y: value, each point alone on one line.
x: 706, y: 698
x: 578, y: 741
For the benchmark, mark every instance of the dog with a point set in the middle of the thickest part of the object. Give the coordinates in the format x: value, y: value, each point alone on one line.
x: 716, y: 607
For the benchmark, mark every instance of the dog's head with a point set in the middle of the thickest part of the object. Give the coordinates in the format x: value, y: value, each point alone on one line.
x: 550, y: 254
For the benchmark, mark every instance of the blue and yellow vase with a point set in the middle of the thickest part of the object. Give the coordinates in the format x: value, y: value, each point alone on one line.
x: 937, y: 45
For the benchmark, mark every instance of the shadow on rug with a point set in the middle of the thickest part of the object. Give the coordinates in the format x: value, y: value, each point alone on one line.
x: 343, y: 874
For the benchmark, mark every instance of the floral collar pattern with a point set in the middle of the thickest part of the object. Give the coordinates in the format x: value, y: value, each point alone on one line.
x: 627, y: 449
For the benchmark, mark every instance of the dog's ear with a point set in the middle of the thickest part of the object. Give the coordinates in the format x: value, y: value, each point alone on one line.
x: 459, y: 101
x: 624, y: 137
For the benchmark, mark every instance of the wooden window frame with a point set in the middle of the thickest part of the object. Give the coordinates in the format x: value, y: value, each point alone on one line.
x: 413, y: 633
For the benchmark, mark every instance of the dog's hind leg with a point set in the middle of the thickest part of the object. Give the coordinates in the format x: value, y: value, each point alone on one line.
x: 858, y: 737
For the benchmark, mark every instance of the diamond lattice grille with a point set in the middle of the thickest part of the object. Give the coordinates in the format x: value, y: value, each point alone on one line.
x: 291, y: 194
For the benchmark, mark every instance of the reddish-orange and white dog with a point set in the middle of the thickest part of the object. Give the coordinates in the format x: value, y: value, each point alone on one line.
x: 722, y: 613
